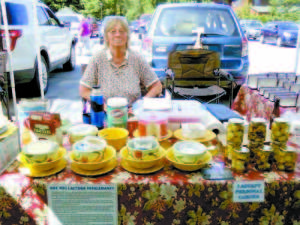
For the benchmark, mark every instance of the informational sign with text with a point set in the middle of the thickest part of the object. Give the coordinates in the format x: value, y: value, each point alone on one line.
x: 249, y: 191
x: 82, y: 204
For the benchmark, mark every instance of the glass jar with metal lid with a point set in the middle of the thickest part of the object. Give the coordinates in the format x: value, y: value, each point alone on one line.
x: 286, y: 159
x: 280, y: 131
x: 240, y: 160
x: 235, y: 132
x: 263, y: 158
x: 254, y: 148
x: 257, y: 130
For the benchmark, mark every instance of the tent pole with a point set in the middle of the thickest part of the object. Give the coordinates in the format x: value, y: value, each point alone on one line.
x: 10, y: 60
x: 297, y: 51
x: 37, y: 44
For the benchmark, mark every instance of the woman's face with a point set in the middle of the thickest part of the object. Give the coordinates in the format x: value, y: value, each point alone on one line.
x: 117, y: 36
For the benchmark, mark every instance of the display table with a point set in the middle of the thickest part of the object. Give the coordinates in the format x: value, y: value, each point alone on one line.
x: 166, y: 197
x: 250, y: 103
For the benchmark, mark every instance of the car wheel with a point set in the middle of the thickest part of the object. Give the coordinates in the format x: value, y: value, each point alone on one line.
x: 262, y: 39
x: 35, y: 83
x: 279, y: 42
x: 70, y: 64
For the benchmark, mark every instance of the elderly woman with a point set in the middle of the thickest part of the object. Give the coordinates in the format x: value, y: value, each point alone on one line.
x: 118, y: 71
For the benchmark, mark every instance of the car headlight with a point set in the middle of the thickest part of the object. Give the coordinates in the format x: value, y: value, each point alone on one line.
x: 287, y: 34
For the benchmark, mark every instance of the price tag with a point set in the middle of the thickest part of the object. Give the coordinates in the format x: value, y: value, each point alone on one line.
x: 249, y: 191
x: 82, y: 204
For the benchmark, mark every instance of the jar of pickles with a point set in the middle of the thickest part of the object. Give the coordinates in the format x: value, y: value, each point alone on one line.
x: 276, y: 150
x: 286, y: 159
x: 254, y: 148
x: 229, y: 150
x: 257, y: 130
x: 235, y: 132
x: 257, y: 135
x: 280, y: 131
x: 240, y: 160
x: 263, y: 158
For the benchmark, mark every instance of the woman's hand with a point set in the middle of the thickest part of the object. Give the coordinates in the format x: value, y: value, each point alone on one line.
x: 85, y: 92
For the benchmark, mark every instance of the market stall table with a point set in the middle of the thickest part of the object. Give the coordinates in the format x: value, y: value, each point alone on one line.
x: 250, y: 103
x: 168, y: 196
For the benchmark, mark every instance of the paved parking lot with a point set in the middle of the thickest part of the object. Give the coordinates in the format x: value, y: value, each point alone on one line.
x: 270, y: 58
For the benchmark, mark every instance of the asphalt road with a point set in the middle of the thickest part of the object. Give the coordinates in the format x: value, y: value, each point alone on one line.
x: 263, y: 58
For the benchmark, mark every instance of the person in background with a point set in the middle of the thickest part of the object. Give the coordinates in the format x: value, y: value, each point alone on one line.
x: 84, y: 37
x: 119, y: 71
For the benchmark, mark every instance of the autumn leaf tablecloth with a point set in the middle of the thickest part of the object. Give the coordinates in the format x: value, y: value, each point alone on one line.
x: 167, y: 197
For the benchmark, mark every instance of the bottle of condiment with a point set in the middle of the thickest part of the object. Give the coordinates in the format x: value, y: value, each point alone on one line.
x: 97, y: 108
x: 117, y: 112
x: 276, y: 111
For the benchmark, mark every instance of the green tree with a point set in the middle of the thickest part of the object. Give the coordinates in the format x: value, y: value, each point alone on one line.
x: 285, y: 10
x: 56, y: 5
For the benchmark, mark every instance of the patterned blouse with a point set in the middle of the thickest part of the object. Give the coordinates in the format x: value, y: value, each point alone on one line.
x: 126, y: 80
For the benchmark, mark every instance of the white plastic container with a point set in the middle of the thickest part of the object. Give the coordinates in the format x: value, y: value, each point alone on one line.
x: 117, y: 112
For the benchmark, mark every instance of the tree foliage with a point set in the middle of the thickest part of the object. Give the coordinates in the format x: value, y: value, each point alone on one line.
x: 284, y: 10
x: 56, y: 5
x: 132, y: 9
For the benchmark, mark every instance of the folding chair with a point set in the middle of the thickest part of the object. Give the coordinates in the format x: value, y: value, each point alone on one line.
x: 195, y: 74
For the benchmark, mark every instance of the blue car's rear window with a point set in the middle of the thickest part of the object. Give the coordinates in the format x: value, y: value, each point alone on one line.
x: 288, y: 26
x: 182, y: 21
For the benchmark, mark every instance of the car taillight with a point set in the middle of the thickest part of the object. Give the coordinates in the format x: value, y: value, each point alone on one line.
x: 147, y: 49
x: 244, y: 47
x: 14, y: 35
x: 147, y: 44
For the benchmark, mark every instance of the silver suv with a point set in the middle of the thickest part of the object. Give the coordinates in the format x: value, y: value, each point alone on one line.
x: 57, y: 46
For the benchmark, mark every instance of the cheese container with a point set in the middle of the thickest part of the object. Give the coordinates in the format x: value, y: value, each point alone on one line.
x: 189, y: 152
x: 78, y: 132
x: 90, y: 149
x: 143, y: 148
x: 40, y: 151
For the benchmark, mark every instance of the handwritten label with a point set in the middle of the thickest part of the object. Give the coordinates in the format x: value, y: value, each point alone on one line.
x: 249, y: 191
x: 82, y: 204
